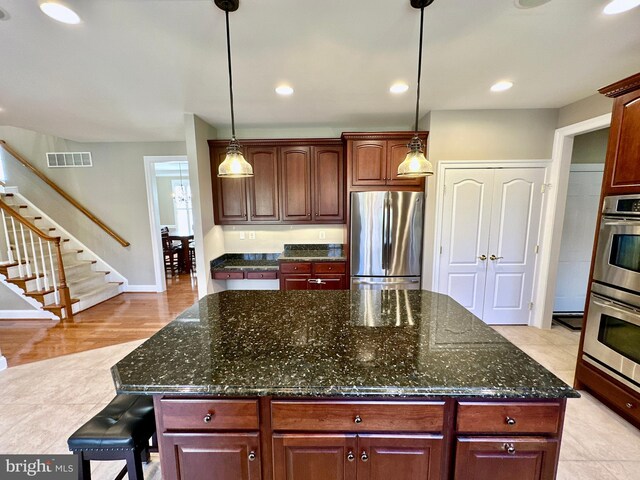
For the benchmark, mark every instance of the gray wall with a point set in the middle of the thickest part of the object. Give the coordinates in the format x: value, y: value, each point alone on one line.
x: 9, y: 300
x: 482, y: 135
x: 165, y: 200
x: 584, y: 109
x: 590, y: 147
x: 113, y: 189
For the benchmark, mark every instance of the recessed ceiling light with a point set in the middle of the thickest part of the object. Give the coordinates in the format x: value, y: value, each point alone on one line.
x: 530, y: 3
x: 284, y: 90
x: 619, y: 6
x: 399, y: 87
x: 60, y: 12
x: 501, y: 86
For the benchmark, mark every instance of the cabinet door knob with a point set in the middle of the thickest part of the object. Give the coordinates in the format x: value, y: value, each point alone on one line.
x: 295, y: 268
x: 510, y: 421
x: 252, y: 456
x: 364, y: 457
x: 629, y: 405
x: 358, y: 419
x: 350, y: 456
x: 207, y: 418
x: 509, y: 448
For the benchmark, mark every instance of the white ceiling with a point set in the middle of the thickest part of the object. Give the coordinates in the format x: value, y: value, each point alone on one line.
x: 133, y: 67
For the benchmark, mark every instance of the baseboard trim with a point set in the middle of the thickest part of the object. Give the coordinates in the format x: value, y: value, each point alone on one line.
x: 27, y: 315
x: 3, y: 362
x: 141, y: 288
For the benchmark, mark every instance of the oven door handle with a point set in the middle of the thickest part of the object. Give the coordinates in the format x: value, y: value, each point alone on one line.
x: 620, y: 223
x: 618, y: 307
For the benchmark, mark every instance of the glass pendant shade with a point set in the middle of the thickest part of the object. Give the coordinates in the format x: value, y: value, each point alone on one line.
x: 234, y: 164
x: 415, y: 164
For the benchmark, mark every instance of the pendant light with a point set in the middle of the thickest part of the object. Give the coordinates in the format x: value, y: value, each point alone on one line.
x: 415, y: 164
x: 234, y: 164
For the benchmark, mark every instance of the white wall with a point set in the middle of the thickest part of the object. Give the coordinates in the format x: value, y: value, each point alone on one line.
x: 584, y: 109
x: 113, y: 189
x: 490, y: 135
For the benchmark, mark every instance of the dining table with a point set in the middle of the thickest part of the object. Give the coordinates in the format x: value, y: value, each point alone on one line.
x: 184, y: 259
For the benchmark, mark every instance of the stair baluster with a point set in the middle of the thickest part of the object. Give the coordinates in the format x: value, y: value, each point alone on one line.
x: 17, y: 246
x: 44, y: 265
x: 53, y: 276
x: 35, y: 261
x: 6, y: 237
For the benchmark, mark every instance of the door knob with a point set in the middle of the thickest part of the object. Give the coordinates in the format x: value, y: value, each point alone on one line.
x: 364, y: 457
x: 493, y: 257
x: 350, y: 456
x: 482, y: 257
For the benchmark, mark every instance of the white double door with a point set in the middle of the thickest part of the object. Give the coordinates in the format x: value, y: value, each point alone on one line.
x: 490, y: 225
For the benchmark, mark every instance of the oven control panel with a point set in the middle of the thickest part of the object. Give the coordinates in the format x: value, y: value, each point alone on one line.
x: 622, y: 205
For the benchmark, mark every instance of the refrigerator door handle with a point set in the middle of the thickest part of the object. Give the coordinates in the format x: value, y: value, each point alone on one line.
x: 385, y: 232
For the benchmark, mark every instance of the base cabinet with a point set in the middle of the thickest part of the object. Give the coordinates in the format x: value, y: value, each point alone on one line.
x: 225, y: 456
x: 357, y: 457
x: 313, y: 276
x: 506, y: 458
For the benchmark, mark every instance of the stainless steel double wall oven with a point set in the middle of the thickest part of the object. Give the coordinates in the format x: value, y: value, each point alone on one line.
x: 612, y: 336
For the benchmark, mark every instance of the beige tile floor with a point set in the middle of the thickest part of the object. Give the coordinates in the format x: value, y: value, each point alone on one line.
x: 42, y: 403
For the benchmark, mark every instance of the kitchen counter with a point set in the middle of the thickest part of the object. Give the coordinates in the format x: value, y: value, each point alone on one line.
x: 245, y: 262
x: 331, y: 252
x: 333, y: 344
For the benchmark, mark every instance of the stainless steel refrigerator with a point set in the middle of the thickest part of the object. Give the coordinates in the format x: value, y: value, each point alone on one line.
x: 386, y: 240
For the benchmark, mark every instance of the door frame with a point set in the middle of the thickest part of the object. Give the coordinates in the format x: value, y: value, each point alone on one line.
x: 445, y: 165
x: 154, y: 215
x: 553, y: 215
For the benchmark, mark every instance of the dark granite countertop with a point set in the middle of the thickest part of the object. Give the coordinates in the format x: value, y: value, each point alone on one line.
x: 395, y: 343
x: 245, y: 262
x: 329, y: 252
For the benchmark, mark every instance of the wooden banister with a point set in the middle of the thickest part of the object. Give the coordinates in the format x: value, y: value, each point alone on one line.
x: 12, y: 213
x: 64, y: 194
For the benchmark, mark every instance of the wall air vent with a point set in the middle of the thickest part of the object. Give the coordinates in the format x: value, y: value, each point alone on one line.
x: 69, y: 159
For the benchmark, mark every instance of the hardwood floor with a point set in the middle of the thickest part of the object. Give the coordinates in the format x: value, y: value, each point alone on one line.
x: 127, y: 317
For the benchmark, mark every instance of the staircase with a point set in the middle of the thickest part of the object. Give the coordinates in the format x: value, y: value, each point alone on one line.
x: 30, y: 261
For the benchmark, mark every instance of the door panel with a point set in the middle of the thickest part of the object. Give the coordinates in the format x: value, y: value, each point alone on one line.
x: 314, y: 457
x: 296, y: 184
x: 465, y: 236
x: 369, y: 162
x: 515, y: 222
x: 367, y: 231
x: 198, y: 455
x: 231, y: 193
x: 396, y: 153
x: 400, y: 457
x: 328, y: 184
x: 294, y: 282
x: 263, y: 186
x: 405, y: 220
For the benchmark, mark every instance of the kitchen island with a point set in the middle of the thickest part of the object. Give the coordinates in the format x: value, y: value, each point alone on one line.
x: 344, y: 385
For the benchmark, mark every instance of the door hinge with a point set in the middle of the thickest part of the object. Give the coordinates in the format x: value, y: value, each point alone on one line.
x: 530, y: 305
x: 545, y: 187
x: 537, y: 249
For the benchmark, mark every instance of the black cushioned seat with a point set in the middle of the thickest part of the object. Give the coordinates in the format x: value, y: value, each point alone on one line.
x: 120, y: 431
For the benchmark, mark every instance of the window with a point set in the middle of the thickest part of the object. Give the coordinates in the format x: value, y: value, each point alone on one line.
x: 183, y: 211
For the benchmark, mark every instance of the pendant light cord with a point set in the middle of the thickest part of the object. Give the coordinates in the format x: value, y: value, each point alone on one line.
x: 233, y: 120
x: 419, y: 70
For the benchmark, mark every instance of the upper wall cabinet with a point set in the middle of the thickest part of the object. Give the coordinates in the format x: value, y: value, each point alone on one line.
x: 294, y: 182
x: 622, y: 167
x: 373, y: 160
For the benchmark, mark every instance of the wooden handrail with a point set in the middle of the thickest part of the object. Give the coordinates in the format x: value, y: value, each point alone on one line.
x: 12, y: 213
x: 64, y: 194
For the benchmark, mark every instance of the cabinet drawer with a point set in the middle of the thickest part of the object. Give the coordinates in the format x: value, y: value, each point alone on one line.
x: 262, y: 275
x: 228, y: 275
x: 189, y: 415
x: 295, y: 267
x: 329, y: 267
x: 358, y: 416
x: 508, y: 417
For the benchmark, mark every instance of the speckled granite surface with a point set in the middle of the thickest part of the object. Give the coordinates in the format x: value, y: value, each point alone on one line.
x: 245, y: 262
x: 332, y: 252
x: 394, y: 343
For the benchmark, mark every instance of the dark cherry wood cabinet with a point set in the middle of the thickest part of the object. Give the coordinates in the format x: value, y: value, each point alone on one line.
x: 226, y: 456
x: 264, y: 186
x: 295, y: 171
x: 506, y: 458
x: 313, y: 276
x: 373, y: 160
x: 295, y: 182
x: 314, y: 457
x: 622, y: 166
x: 357, y: 439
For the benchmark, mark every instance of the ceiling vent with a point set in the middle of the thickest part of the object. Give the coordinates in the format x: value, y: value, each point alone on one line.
x: 69, y: 159
x: 530, y: 3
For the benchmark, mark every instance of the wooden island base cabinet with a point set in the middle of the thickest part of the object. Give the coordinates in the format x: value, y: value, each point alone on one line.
x: 336, y: 439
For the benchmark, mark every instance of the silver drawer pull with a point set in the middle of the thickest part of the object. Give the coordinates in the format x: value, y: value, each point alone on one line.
x: 510, y: 421
x: 364, y: 457
x: 207, y: 418
x: 509, y: 448
x: 350, y: 456
x: 358, y: 419
x: 252, y: 456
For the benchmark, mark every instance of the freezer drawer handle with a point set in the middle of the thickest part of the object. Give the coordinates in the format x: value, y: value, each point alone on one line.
x: 363, y: 282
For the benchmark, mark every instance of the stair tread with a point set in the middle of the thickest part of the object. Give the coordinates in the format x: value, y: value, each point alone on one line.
x: 107, y: 286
